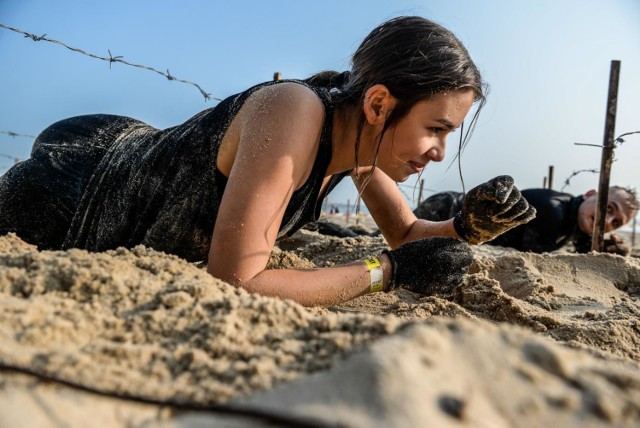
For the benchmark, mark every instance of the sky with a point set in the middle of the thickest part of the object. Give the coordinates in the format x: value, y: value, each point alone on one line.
x: 547, y: 63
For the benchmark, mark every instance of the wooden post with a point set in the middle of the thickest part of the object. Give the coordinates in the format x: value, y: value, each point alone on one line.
x: 550, y: 176
x: 420, y: 192
x: 358, y: 211
x: 544, y: 182
x: 597, y: 242
x: 348, y: 213
x: 277, y: 75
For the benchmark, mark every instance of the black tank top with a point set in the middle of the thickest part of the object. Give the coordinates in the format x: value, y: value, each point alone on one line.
x: 161, y: 188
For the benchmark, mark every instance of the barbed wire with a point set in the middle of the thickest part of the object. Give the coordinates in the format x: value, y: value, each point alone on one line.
x: 110, y: 59
x: 414, y: 186
x: 13, y: 158
x: 15, y: 134
x: 4, y: 168
x: 567, y: 181
x: 415, y: 189
x: 619, y: 139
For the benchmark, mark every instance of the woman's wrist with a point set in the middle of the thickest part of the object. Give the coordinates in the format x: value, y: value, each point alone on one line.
x: 380, y: 269
x: 457, y: 227
x: 376, y: 276
x: 387, y: 271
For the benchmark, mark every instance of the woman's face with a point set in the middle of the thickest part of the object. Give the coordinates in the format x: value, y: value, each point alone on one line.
x: 420, y: 136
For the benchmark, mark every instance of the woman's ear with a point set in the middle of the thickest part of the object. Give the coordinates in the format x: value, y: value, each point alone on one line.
x: 378, y: 104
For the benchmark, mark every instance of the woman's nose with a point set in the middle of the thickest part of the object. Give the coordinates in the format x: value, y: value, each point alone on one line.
x: 437, y: 153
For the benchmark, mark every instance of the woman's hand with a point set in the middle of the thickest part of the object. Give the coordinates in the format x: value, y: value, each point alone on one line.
x: 429, y: 266
x: 491, y: 209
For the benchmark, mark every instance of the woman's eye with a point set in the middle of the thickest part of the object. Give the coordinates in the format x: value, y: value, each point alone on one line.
x: 436, y: 131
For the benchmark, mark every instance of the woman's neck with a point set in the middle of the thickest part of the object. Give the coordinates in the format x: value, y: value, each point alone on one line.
x: 344, y: 136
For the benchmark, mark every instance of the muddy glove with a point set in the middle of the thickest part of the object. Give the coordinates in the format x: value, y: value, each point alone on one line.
x: 491, y: 209
x: 616, y: 245
x: 429, y: 266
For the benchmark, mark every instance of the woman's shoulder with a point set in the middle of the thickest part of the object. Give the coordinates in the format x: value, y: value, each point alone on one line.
x: 286, y: 99
x: 290, y: 91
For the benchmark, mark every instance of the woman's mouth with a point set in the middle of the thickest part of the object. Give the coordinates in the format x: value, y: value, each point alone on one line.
x: 416, y: 167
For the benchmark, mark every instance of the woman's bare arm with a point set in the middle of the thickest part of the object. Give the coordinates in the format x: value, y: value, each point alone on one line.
x: 279, y: 131
x: 392, y: 214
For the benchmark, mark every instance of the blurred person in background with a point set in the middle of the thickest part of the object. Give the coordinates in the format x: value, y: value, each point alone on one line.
x: 562, y: 219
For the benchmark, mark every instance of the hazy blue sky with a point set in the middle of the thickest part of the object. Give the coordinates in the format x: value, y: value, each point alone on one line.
x: 547, y: 62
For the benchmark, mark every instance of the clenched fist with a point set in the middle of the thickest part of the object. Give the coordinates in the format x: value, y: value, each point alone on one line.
x: 491, y: 209
x: 430, y: 266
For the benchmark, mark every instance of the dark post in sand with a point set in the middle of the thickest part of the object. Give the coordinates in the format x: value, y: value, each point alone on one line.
x: 597, y: 243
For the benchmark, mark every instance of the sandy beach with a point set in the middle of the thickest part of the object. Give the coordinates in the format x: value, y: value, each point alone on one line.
x: 138, y: 338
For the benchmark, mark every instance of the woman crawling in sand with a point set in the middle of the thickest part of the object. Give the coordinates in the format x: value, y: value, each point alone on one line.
x: 230, y: 181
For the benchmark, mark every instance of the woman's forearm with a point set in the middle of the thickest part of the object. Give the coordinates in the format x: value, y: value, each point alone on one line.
x: 318, y: 287
x: 427, y: 229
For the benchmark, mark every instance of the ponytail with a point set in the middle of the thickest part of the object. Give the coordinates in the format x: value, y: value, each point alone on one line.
x: 329, y: 79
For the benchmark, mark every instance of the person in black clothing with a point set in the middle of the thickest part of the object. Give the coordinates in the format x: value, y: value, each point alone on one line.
x: 229, y: 182
x: 561, y: 219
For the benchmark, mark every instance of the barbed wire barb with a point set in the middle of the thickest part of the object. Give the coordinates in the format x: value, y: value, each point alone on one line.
x: 567, y: 181
x: 618, y: 139
x: 621, y: 140
x: 15, y: 134
x: 111, y: 59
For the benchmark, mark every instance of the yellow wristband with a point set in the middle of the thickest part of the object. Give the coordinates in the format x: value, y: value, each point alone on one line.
x: 375, y: 273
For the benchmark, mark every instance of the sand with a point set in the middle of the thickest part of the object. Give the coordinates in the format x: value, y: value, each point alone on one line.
x: 138, y: 338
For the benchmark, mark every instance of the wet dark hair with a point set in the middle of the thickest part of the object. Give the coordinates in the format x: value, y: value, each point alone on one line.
x: 414, y: 58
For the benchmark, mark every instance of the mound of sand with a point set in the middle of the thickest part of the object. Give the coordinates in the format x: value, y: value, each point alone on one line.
x: 526, y: 340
